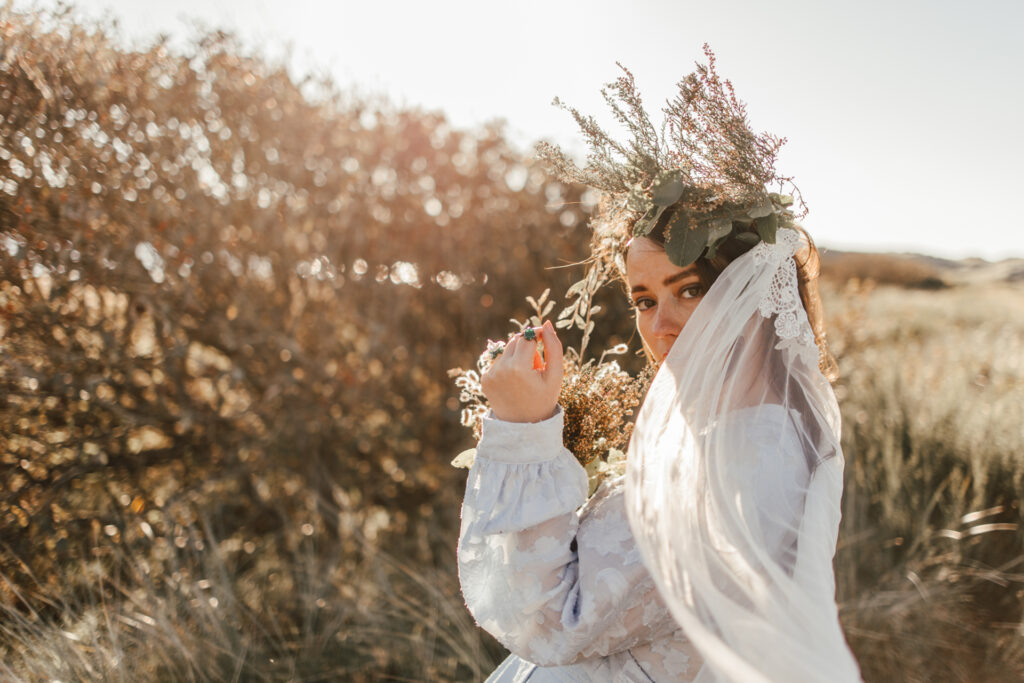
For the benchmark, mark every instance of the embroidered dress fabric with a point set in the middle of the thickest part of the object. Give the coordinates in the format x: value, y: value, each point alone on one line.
x: 557, y: 578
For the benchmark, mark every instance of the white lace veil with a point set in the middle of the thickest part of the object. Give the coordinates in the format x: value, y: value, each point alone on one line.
x: 734, y: 479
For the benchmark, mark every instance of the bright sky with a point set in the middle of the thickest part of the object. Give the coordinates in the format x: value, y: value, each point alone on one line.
x: 903, y: 116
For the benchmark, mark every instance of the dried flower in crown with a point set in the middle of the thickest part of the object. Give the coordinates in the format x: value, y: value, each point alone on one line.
x: 704, y: 178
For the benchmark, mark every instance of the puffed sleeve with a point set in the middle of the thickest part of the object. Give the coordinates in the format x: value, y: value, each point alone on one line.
x: 554, y: 577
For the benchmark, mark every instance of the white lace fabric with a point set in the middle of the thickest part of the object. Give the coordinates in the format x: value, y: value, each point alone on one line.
x: 783, y: 296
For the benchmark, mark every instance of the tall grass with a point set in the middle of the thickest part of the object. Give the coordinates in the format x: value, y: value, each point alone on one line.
x: 326, y: 609
x: 929, y: 565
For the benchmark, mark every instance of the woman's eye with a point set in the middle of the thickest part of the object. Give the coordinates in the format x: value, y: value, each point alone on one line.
x: 639, y: 304
x: 692, y: 292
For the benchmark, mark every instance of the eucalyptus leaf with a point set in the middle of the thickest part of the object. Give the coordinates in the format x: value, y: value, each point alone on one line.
x: 644, y: 226
x: 749, y: 238
x: 668, y: 188
x: 714, y: 245
x: 767, y: 226
x: 781, y: 199
x: 761, y: 209
x: 720, y: 227
x: 684, y: 246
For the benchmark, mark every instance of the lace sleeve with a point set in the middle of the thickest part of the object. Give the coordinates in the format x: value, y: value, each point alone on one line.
x: 554, y: 585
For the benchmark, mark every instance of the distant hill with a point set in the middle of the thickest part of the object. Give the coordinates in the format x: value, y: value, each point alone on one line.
x: 916, y: 270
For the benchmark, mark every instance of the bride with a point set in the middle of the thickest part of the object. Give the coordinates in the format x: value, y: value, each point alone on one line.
x: 711, y: 558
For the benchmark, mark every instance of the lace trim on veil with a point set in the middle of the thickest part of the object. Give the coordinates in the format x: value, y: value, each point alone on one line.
x: 783, y: 296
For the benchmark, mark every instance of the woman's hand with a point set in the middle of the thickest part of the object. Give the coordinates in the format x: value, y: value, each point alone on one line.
x: 516, y: 390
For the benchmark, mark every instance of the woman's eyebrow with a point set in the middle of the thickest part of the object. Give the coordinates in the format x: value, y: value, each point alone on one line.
x: 683, y: 274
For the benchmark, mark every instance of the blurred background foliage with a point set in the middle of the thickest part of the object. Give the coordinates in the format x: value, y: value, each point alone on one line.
x: 228, y: 301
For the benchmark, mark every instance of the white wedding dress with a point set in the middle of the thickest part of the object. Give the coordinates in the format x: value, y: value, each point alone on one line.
x: 558, y: 579
x: 711, y: 559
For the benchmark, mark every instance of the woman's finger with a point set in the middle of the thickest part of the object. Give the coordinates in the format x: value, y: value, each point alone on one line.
x: 510, y: 347
x: 523, y: 354
x: 506, y: 351
x: 552, y: 350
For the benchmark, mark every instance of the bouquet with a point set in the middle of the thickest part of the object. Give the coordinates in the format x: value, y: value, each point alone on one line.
x: 598, y: 397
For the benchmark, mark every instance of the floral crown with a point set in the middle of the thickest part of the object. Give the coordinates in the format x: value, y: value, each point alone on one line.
x: 705, y: 177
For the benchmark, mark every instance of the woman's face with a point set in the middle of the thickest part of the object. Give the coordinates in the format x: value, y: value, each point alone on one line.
x: 663, y: 295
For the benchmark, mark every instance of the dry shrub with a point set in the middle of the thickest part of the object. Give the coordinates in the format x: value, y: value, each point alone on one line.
x: 226, y: 295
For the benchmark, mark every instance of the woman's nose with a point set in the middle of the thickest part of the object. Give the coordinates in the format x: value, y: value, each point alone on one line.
x: 666, y: 321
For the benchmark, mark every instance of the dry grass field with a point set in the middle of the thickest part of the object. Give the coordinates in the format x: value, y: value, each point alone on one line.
x: 929, y: 565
